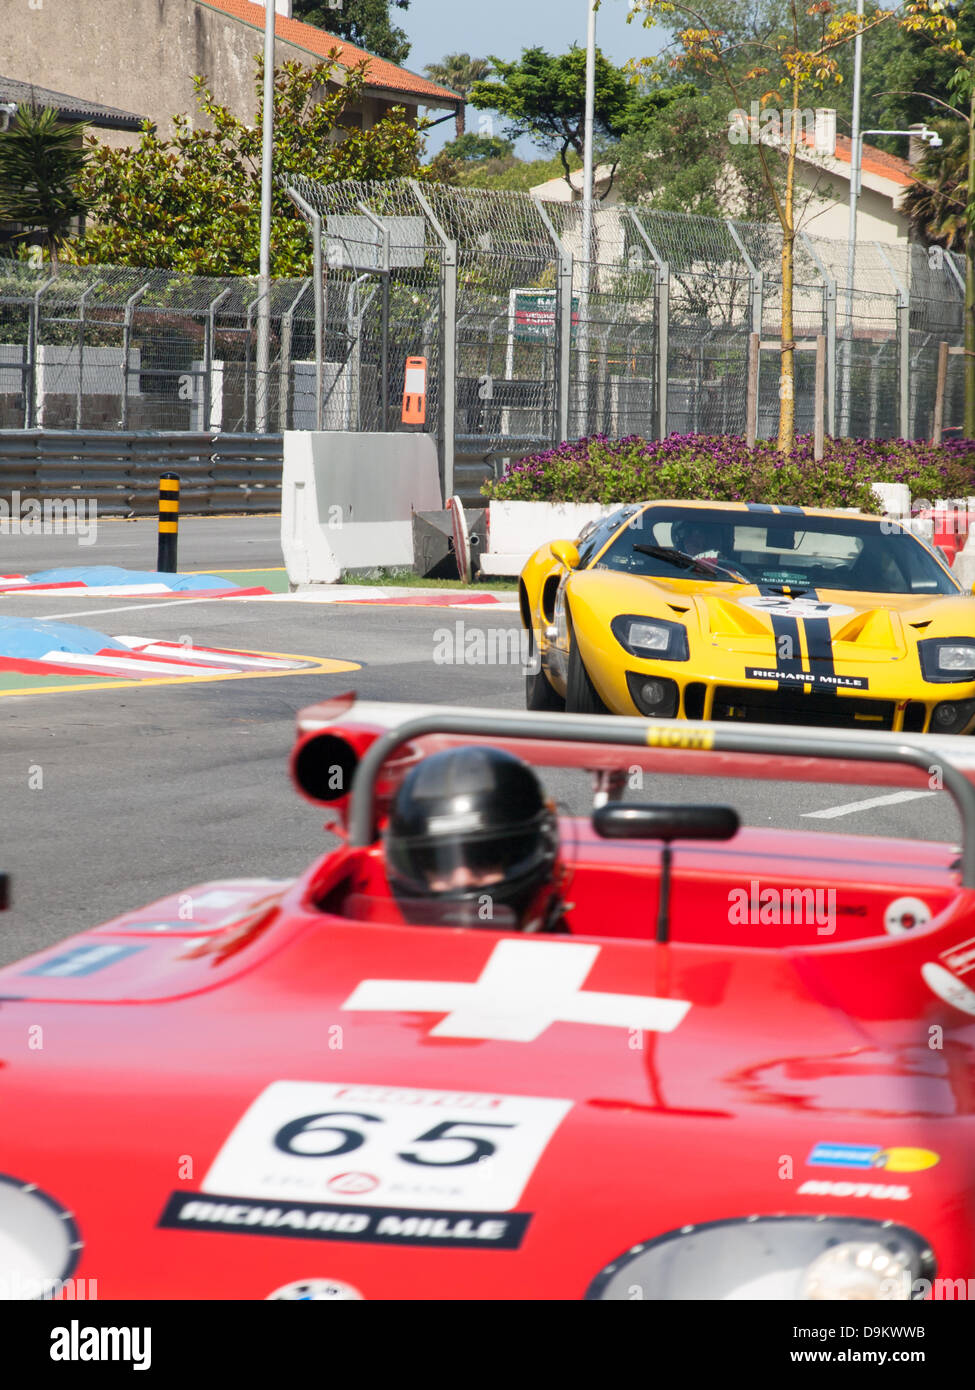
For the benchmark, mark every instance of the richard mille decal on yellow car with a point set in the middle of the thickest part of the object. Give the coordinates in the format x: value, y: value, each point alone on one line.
x: 745, y: 611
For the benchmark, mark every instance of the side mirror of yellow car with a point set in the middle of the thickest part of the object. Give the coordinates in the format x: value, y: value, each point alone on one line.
x: 566, y: 553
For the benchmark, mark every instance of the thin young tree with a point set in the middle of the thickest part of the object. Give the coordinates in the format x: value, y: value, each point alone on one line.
x: 780, y: 67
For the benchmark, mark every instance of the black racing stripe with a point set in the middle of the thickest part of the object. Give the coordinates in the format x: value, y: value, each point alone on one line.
x: 786, y: 628
x: 759, y: 507
x: 792, y: 511
x: 819, y: 642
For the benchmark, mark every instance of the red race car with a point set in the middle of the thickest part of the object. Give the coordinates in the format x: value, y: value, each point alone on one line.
x: 741, y: 1068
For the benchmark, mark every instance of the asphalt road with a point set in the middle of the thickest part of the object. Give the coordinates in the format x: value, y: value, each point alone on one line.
x: 111, y: 798
x: 239, y: 542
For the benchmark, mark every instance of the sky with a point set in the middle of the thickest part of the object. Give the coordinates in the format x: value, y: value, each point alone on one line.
x: 504, y: 28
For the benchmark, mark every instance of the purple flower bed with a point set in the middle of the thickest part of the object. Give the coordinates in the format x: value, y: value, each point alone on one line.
x: 599, y: 469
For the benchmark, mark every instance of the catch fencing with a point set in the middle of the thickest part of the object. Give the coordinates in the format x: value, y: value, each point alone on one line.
x: 529, y: 335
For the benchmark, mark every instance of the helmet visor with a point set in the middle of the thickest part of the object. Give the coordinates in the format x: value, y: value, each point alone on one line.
x: 455, y: 865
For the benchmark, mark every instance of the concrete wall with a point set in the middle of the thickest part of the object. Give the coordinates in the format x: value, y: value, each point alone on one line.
x: 141, y: 56
x: 877, y: 217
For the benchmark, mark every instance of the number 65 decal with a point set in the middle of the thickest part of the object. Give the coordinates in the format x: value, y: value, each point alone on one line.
x: 408, y: 1147
x: 351, y: 1139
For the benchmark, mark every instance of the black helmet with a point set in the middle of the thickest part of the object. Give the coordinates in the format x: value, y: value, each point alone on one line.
x: 698, y: 534
x: 469, y: 824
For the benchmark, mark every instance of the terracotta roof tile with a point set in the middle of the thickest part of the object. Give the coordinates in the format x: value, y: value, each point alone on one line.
x: 380, y: 72
x: 875, y: 161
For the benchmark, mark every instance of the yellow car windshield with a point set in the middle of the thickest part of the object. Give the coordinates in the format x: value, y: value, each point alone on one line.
x: 788, y: 550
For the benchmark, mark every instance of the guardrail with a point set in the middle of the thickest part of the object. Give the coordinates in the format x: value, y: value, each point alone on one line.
x: 120, y: 469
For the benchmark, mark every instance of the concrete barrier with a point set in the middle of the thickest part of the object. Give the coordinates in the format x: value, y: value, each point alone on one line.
x: 347, y: 501
x: 517, y: 529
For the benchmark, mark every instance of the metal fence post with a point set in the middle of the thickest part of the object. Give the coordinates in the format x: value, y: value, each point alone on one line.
x: 449, y: 264
x: 756, y: 301
x: 383, y: 229
x: 265, y: 294
x: 829, y: 313
x: 314, y: 220
x: 937, y: 423
x: 81, y: 351
x: 564, y: 343
x: 33, y: 326
x: 130, y: 304
x: 208, y: 340
x: 448, y: 310
x: 284, y: 379
x: 662, y: 308
x: 563, y: 320
x: 819, y: 395
x: 903, y: 348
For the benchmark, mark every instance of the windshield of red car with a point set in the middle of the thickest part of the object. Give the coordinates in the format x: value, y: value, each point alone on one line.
x: 791, y: 550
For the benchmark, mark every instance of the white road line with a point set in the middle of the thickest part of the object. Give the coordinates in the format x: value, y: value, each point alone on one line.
x: 832, y: 811
x: 126, y: 608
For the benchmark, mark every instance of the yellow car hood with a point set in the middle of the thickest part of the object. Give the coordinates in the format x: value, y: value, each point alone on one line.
x: 863, y: 627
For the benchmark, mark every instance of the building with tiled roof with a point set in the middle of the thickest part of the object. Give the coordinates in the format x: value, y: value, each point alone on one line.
x: 71, y: 109
x: 823, y: 167
x: 143, y: 54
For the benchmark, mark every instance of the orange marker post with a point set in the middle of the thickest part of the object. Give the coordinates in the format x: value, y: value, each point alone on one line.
x: 415, y: 392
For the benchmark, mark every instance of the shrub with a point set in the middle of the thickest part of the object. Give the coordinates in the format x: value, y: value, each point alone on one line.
x: 722, y: 467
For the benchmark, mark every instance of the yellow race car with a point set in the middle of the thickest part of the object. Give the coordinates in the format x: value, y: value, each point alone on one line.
x: 746, y: 611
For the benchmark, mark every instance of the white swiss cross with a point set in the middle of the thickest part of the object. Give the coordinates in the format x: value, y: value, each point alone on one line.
x: 525, y: 986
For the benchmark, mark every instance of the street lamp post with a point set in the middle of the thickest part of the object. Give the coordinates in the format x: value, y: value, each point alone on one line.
x: 856, y: 167
x: 851, y: 239
x: 587, y: 217
x: 264, y: 279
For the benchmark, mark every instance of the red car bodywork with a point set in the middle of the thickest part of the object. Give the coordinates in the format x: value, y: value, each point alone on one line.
x: 129, y: 1114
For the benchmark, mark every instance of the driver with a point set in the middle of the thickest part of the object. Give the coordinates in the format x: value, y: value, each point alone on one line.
x: 471, y: 830
x: 702, y: 540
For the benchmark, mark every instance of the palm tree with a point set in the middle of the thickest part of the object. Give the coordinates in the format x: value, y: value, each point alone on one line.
x: 459, y: 72
x: 936, y: 203
x: 40, y: 162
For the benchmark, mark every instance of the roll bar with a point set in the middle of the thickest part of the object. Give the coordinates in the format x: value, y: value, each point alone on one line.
x: 657, y: 733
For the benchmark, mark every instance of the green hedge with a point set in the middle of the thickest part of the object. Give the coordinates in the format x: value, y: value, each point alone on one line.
x: 722, y: 467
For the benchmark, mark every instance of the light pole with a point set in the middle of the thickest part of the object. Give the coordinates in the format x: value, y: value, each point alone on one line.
x: 587, y: 216
x: 264, y: 279
x: 856, y: 165
x: 851, y: 236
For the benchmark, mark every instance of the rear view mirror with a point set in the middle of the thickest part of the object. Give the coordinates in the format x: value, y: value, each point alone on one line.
x: 623, y: 820
x: 566, y: 553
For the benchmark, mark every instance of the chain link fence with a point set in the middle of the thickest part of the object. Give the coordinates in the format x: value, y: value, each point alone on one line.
x: 527, y: 335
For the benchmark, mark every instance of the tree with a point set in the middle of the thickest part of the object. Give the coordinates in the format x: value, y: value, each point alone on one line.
x: 936, y: 203
x: 192, y: 202
x: 363, y: 22
x: 543, y: 96
x: 459, y: 72
x: 680, y: 160
x: 470, y: 146
x: 782, y: 69
x: 899, y: 67
x: 41, y: 166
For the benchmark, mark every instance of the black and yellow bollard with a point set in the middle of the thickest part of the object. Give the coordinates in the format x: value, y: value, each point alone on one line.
x: 168, y: 523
